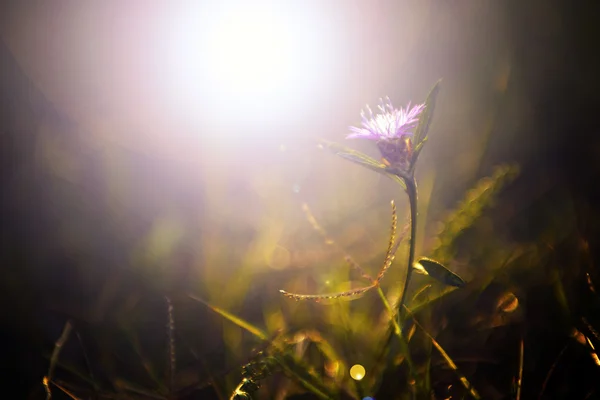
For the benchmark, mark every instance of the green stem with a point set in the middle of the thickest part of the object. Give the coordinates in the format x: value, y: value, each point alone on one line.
x: 411, y: 190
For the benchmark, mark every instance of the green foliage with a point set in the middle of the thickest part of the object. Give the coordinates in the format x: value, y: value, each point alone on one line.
x: 259, y: 333
x: 252, y: 373
x: 470, y: 209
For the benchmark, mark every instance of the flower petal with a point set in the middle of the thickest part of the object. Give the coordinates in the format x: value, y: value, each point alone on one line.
x: 388, y: 123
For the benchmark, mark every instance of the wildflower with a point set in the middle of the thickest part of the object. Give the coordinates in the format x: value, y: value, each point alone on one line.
x: 392, y: 129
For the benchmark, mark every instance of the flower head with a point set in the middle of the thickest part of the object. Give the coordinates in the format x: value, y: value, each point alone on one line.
x: 389, y: 123
x: 392, y: 129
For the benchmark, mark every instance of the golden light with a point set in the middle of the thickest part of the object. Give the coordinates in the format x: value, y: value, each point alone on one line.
x: 242, y: 62
x: 357, y: 372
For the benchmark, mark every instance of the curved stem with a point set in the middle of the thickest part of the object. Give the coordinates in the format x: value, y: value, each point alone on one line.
x: 411, y: 190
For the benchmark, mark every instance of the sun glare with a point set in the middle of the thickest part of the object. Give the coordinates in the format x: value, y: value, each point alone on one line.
x: 251, y: 52
x: 263, y: 61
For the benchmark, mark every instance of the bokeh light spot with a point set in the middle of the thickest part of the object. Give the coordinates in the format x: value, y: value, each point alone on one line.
x: 332, y: 368
x: 357, y: 372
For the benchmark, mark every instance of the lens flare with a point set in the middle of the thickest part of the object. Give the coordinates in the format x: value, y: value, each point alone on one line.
x: 357, y: 372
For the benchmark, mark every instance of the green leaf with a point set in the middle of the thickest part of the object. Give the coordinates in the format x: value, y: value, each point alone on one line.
x: 422, y: 130
x: 438, y: 272
x: 259, y: 333
x: 417, y: 150
x: 360, y: 159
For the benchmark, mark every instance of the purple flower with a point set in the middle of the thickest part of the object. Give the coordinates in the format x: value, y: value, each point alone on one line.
x: 392, y: 129
x: 389, y: 123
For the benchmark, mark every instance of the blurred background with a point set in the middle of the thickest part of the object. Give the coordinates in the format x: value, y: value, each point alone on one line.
x: 165, y: 148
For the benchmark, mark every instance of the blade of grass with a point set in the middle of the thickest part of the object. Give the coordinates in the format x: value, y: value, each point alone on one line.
x: 551, y: 371
x: 520, y: 376
x: 324, y: 346
x: 422, y: 130
x: 259, y: 333
x: 131, y: 387
x: 302, y: 373
x: 71, y: 368
x: 213, y: 381
x: 298, y: 371
x: 351, y: 352
x: 463, y: 379
x: 425, y: 119
x: 428, y: 349
x: 386, y: 357
x: 65, y: 391
x: 397, y: 331
x: 132, y: 337
x: 87, y: 362
x: 183, y: 392
x: 58, y: 345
